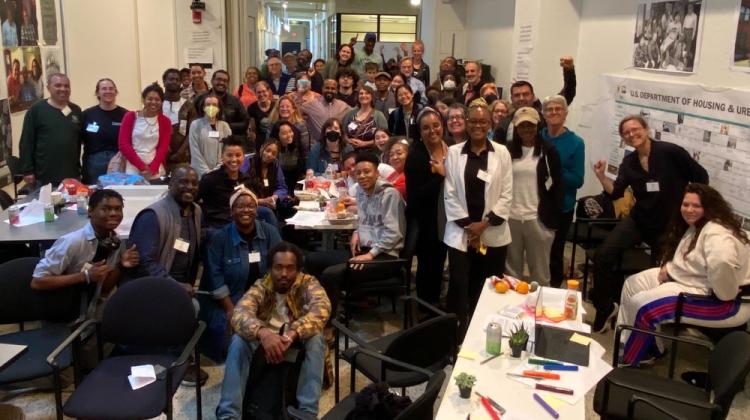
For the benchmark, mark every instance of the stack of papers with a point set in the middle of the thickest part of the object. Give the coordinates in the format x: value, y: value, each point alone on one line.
x: 307, y: 218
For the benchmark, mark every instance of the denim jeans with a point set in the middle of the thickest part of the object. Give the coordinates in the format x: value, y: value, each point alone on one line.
x: 267, y: 215
x: 237, y: 370
x: 95, y: 165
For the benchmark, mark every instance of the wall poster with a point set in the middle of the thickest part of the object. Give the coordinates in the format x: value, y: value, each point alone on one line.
x: 667, y: 35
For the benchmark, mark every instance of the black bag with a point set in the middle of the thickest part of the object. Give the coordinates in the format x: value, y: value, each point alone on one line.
x: 595, y: 206
x: 377, y: 402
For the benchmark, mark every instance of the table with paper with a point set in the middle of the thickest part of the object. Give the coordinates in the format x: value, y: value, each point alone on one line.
x: 514, y: 394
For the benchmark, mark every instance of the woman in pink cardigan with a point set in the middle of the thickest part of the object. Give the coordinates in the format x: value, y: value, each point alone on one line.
x: 144, y: 136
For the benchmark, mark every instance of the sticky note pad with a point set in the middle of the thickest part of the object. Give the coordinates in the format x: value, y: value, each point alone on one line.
x: 580, y: 339
x: 466, y: 354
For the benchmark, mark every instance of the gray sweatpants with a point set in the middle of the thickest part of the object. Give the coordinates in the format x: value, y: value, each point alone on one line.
x: 531, y: 243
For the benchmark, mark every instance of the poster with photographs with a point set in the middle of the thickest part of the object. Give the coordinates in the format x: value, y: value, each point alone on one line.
x: 667, y: 35
x: 25, y: 82
x: 741, y: 58
x: 19, y: 23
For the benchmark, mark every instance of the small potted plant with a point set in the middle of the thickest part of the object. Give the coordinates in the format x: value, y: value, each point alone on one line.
x: 465, y: 382
x: 518, y: 340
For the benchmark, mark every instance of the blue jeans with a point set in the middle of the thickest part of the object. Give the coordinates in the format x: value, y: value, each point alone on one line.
x: 267, y: 215
x: 237, y: 370
x: 95, y: 165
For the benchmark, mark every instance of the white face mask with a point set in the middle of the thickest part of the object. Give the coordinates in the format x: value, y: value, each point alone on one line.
x: 449, y: 84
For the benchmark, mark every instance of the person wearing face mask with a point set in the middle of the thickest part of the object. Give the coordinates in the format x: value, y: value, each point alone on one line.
x: 324, y: 108
x: 205, y: 136
x: 101, y: 128
x: 447, y: 85
x: 234, y: 113
x: 145, y: 135
x: 331, y: 149
x: 304, y: 92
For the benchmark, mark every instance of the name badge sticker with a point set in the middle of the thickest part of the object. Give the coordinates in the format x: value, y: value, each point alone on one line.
x: 352, y: 125
x: 66, y: 111
x: 183, y: 127
x: 253, y: 257
x: 92, y: 127
x: 181, y: 245
x: 265, y: 182
x: 652, y: 186
x: 483, y: 175
x: 213, y: 134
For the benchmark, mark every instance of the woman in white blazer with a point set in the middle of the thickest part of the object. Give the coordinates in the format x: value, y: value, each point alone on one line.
x: 478, y: 194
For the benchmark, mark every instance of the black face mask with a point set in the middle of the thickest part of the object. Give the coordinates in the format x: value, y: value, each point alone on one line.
x: 333, y: 136
x: 490, y: 98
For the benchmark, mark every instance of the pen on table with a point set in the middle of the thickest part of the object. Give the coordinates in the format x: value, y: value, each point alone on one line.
x: 518, y: 375
x: 538, y: 374
x: 534, y: 361
x: 550, y: 388
x: 546, y: 406
x: 571, y: 368
x: 488, y: 359
x: 488, y: 408
x: 493, y: 403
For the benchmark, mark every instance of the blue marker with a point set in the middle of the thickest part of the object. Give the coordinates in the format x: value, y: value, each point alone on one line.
x: 546, y: 406
x: 572, y: 368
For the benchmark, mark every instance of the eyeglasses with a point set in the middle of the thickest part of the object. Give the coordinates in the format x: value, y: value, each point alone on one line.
x: 632, y: 132
x: 554, y: 109
x: 456, y: 118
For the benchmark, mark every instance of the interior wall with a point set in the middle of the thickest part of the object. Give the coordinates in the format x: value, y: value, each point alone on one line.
x: 606, y: 46
x: 489, y: 35
x: 441, y: 22
x: 390, y: 7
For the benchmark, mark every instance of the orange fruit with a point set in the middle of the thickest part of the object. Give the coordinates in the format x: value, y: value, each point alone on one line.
x: 501, y: 287
x: 522, y: 287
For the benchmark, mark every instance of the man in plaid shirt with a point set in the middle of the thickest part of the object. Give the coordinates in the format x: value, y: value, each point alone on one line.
x: 279, y: 309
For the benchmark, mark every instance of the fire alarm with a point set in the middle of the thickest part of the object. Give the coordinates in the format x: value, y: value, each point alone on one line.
x: 197, y: 7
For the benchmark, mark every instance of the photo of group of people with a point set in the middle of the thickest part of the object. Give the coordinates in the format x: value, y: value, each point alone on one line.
x: 25, y: 83
x: 741, y: 58
x: 667, y: 35
x: 19, y: 23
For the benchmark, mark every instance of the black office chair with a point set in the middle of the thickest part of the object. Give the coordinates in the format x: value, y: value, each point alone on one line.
x: 151, y: 318
x: 429, y: 345
x: 14, y: 165
x: 419, y: 409
x: 714, y: 334
x: 61, y: 311
x: 272, y: 388
x: 631, y: 393
x: 395, y: 279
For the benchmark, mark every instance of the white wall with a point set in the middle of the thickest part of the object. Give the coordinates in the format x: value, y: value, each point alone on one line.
x: 391, y: 7
x: 490, y: 29
x: 440, y: 22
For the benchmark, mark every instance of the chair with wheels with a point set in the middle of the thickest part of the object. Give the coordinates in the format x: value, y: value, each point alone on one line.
x: 430, y: 345
x: 151, y: 321
x: 631, y: 393
x: 419, y: 409
x: 272, y: 388
x: 60, y: 312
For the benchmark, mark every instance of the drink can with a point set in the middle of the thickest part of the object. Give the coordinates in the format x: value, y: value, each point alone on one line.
x: 494, y: 338
x: 14, y: 216
x: 49, y: 213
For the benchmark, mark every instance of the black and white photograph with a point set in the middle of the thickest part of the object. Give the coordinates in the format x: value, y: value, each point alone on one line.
x: 667, y: 35
x: 741, y: 59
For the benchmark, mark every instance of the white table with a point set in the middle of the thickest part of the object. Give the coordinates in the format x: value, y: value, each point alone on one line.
x: 492, y: 382
x: 326, y: 229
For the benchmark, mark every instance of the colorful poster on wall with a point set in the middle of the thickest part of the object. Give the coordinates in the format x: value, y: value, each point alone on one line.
x: 24, y: 81
x: 49, y: 22
x: 741, y: 58
x: 713, y: 126
x: 667, y: 35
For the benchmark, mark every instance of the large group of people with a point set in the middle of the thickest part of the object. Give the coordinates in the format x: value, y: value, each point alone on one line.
x: 487, y: 183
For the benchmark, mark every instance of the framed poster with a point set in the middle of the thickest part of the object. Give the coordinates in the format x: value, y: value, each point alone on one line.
x: 667, y: 35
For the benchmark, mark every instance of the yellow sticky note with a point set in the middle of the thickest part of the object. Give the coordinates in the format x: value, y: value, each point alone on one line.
x: 580, y: 339
x: 553, y: 402
x: 466, y: 354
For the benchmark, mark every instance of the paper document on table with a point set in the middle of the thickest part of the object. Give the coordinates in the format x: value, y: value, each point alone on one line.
x: 309, y: 205
x: 307, y: 218
x: 31, y: 214
x: 580, y: 381
x: 141, y: 376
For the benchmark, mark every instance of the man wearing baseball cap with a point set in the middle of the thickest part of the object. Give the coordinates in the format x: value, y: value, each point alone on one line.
x: 366, y: 54
x: 385, y: 100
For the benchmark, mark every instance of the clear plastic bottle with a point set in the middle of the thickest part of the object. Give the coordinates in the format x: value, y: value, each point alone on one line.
x: 571, y: 300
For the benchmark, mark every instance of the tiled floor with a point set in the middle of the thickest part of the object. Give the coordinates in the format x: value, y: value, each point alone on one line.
x: 373, y: 323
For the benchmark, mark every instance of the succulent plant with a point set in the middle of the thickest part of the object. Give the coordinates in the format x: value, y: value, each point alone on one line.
x: 464, y: 380
x: 519, y: 336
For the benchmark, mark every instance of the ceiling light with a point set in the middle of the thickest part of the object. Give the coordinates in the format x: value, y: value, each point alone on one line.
x: 415, y: 2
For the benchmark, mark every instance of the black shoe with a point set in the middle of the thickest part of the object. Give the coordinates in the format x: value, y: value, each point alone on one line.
x: 605, y: 320
x: 193, y: 374
x: 697, y: 379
